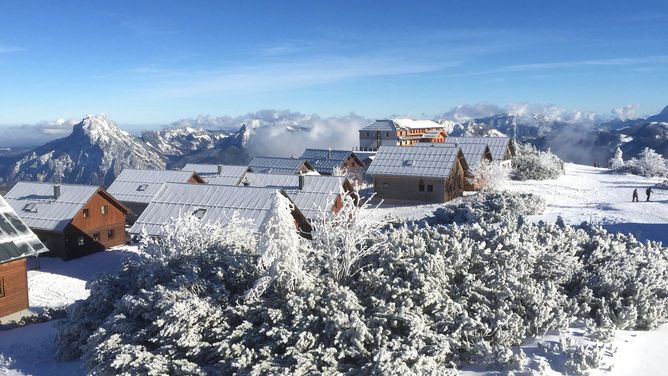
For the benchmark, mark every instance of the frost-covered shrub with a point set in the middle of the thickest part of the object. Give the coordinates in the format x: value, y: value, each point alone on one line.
x: 490, y: 207
x: 427, y: 300
x: 662, y: 185
x: 488, y: 175
x: 649, y: 163
x: 617, y: 161
x: 532, y: 164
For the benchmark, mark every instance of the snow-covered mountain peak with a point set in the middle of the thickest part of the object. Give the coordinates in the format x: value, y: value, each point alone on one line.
x: 99, y: 128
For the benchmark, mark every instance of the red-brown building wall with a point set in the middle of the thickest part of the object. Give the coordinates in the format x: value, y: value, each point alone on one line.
x: 14, y: 279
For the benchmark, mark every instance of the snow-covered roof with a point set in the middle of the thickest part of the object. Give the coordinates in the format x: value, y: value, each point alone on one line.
x: 274, y: 165
x: 497, y: 145
x: 415, y: 161
x: 41, y: 210
x: 395, y: 124
x: 219, y: 202
x: 16, y: 238
x: 140, y: 186
x: 218, y: 174
x: 325, y: 161
x: 474, y: 153
x: 312, y: 204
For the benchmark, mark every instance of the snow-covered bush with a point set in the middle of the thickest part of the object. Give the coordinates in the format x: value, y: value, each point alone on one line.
x: 281, y: 250
x: 490, y: 207
x: 662, y: 185
x: 649, y: 163
x: 488, y: 175
x: 344, y: 238
x: 426, y: 300
x: 530, y: 163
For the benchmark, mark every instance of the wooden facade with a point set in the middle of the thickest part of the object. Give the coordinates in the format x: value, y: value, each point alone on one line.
x: 13, y: 287
x: 99, y: 225
x: 421, y: 189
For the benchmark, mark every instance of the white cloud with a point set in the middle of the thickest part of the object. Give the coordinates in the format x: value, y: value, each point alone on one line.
x: 537, y: 111
x: 286, y: 133
x: 35, y: 134
x: 630, y: 111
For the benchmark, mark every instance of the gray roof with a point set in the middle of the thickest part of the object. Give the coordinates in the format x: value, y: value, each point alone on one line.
x: 380, y: 125
x: 219, y: 201
x: 325, y: 161
x: 414, y: 161
x: 318, y: 192
x: 40, y: 210
x: 497, y: 145
x: 140, y: 186
x: 16, y: 238
x: 218, y: 174
x: 474, y: 153
x: 273, y: 165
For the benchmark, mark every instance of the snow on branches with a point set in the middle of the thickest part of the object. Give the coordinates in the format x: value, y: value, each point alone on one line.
x: 532, y: 164
x: 649, y: 163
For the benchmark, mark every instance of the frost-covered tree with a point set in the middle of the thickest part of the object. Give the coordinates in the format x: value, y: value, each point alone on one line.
x: 649, y: 163
x: 280, y: 249
x: 617, y: 161
x: 530, y: 163
x: 342, y: 239
x: 488, y: 175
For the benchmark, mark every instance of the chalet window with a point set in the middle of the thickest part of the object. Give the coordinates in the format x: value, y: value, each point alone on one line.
x: 2, y: 287
x: 110, y: 234
x: 31, y: 208
x: 96, y: 236
x: 430, y: 188
x: 142, y: 187
x: 104, y: 209
x: 421, y: 186
x: 86, y: 213
x: 81, y: 241
x: 199, y: 213
x: 386, y: 185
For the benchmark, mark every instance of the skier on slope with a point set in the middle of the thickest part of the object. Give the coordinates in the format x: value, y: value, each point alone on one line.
x: 635, y: 195
x: 648, y: 192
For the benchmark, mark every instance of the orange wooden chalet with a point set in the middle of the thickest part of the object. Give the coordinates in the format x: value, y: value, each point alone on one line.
x: 71, y: 220
x: 17, y: 243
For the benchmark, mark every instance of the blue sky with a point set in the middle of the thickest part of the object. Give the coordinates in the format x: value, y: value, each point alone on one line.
x: 150, y: 62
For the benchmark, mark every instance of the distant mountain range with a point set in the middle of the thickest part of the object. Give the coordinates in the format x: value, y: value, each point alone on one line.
x: 97, y: 150
x: 575, y: 141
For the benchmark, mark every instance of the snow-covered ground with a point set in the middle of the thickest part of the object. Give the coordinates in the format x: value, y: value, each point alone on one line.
x: 583, y: 194
x: 56, y: 283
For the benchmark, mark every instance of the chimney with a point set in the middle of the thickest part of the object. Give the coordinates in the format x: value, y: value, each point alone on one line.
x: 329, y: 153
x: 220, y: 169
x: 302, y: 178
x: 56, y: 191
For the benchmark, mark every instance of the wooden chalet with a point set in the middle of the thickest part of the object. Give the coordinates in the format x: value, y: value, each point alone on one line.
x: 211, y: 203
x: 418, y: 174
x: 136, y: 188
x: 502, y: 148
x: 327, y: 161
x: 474, y: 154
x: 312, y: 194
x: 71, y: 220
x: 17, y: 243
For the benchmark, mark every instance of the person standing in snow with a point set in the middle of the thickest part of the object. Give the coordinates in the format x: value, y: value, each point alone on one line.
x: 648, y: 192
x: 635, y: 195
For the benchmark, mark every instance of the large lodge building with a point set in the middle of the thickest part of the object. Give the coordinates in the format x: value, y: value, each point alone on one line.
x: 400, y: 132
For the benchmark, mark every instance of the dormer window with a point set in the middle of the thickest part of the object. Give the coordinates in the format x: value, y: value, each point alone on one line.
x: 30, y: 208
x: 199, y: 213
x: 142, y: 187
x: 86, y: 213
